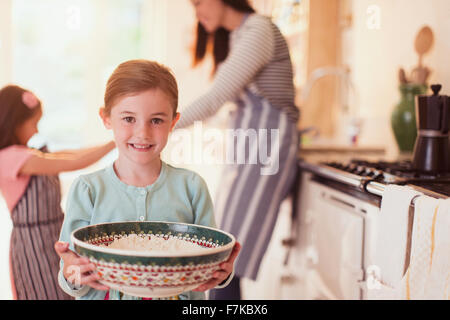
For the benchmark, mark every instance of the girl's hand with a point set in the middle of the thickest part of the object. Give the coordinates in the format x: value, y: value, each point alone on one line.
x: 220, y: 275
x: 78, y: 270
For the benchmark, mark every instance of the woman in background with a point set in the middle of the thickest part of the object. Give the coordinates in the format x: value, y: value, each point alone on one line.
x: 252, y: 68
x: 30, y: 185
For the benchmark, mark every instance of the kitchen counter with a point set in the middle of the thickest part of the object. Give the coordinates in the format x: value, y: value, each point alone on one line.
x: 343, y: 149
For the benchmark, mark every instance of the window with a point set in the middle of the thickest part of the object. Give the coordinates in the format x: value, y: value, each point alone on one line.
x: 64, y: 51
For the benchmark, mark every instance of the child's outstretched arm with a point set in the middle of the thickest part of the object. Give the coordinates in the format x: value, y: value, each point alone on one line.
x: 53, y: 163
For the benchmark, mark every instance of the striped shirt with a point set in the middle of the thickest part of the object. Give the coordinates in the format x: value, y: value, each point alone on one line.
x: 259, y: 61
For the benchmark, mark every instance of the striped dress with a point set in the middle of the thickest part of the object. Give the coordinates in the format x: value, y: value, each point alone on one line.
x: 257, y: 75
x: 37, y: 219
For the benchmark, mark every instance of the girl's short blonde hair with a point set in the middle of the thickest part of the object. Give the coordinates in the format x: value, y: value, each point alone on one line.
x: 135, y: 76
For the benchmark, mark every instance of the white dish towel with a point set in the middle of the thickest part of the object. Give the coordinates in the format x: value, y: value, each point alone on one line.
x: 392, y: 234
x: 428, y: 275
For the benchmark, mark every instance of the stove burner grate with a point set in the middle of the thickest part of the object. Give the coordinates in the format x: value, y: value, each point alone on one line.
x: 400, y: 173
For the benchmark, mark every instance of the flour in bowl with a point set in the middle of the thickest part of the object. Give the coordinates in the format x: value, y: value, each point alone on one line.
x: 155, y: 244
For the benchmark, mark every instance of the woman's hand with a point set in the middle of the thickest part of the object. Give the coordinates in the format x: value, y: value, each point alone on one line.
x: 220, y: 275
x: 78, y: 270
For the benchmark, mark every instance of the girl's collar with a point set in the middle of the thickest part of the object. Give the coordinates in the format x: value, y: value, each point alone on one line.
x: 159, y: 181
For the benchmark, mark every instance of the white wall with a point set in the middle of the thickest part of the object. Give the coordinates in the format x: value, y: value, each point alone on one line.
x: 5, y: 234
x: 5, y: 42
x: 376, y: 52
x: 5, y: 77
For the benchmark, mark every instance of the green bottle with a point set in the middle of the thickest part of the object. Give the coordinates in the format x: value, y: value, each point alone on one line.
x: 403, y: 118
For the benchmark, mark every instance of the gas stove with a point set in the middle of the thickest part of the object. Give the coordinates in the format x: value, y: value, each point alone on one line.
x: 372, y: 177
x: 400, y: 173
x: 337, y: 216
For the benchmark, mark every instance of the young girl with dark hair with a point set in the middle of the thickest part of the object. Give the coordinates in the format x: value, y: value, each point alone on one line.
x: 30, y: 185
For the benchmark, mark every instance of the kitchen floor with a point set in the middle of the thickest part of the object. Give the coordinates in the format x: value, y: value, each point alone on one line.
x: 268, y: 285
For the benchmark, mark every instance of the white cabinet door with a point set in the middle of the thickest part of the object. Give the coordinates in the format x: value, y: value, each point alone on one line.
x: 337, y: 231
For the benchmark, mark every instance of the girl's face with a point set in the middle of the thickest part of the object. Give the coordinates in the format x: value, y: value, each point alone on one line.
x: 141, y: 125
x: 28, y: 128
x: 209, y: 13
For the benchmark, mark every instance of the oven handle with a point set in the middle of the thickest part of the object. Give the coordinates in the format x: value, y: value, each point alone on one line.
x: 344, y: 177
x: 342, y: 203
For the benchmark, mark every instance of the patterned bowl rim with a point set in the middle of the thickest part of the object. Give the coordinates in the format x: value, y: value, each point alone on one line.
x: 148, y: 254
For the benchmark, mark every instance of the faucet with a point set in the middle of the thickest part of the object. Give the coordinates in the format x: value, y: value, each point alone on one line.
x: 343, y: 72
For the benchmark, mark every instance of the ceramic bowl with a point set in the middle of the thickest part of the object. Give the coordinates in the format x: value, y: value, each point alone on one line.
x: 147, y: 274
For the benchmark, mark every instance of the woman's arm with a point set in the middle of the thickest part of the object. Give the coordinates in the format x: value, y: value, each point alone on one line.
x: 53, y: 163
x: 79, y: 152
x: 251, y: 52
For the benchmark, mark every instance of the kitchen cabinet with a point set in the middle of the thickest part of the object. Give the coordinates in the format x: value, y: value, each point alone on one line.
x: 334, y: 242
x: 337, y: 237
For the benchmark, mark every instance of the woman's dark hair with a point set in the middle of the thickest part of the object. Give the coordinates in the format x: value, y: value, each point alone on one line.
x: 13, y: 112
x: 219, y: 40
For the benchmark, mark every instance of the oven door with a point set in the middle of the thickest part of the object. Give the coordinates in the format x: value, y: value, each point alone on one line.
x: 336, y: 239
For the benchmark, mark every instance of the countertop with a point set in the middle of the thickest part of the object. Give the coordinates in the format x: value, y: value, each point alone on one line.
x: 336, y: 152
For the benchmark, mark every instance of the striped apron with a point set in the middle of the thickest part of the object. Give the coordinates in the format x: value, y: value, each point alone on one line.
x: 37, y: 221
x: 249, y: 199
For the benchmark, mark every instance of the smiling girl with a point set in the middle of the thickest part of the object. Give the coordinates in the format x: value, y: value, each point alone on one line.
x: 141, y: 109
